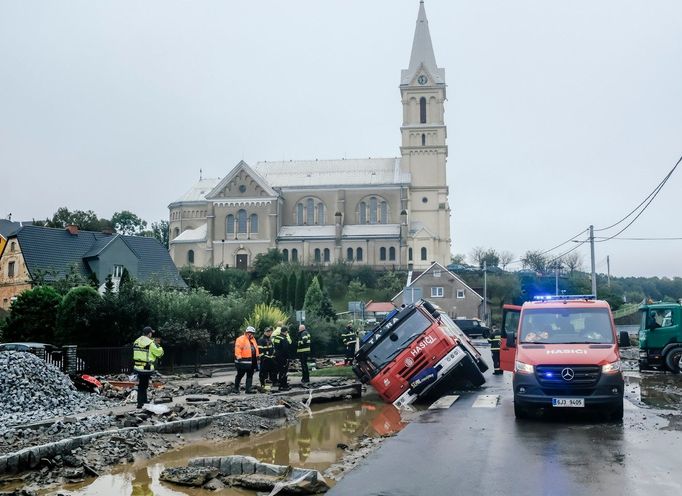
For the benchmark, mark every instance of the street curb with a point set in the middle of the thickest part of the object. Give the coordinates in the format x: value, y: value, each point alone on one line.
x: 29, y: 458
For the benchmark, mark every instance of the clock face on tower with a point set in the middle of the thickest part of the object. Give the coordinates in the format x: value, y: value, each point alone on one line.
x: 422, y: 79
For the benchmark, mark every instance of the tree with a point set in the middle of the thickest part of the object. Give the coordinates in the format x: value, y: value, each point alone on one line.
x: 159, y: 231
x: 317, y: 302
x: 476, y: 255
x: 300, y: 291
x: 506, y: 257
x: 85, y: 220
x: 490, y: 258
x: 33, y: 316
x: 76, y: 317
x: 291, y: 288
x: 267, y: 289
x: 535, y: 261
x: 458, y: 259
x: 264, y: 262
x: 573, y: 262
x: 126, y: 222
x: 390, y: 284
x: 356, y: 290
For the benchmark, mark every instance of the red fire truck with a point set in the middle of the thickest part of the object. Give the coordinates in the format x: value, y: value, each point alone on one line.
x: 417, y: 352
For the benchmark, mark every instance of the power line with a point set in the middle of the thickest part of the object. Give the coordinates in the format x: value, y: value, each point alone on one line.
x: 644, y: 239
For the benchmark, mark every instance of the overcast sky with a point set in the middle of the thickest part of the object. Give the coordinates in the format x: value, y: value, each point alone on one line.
x: 559, y: 114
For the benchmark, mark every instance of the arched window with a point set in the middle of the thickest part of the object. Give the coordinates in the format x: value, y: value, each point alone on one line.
x: 294, y: 255
x: 310, y: 212
x: 423, y: 253
x: 254, y: 223
x: 318, y: 255
x: 358, y: 254
x: 285, y: 255
x: 241, y: 221
x: 230, y: 224
x: 176, y: 232
x: 349, y: 254
x: 422, y: 110
x: 190, y: 257
x: 384, y: 212
x: 391, y: 253
x: 423, y: 139
x: 299, y: 214
x: 363, y: 213
x: 373, y: 210
x: 409, y: 254
x: 382, y: 253
x: 327, y: 255
x: 320, y: 214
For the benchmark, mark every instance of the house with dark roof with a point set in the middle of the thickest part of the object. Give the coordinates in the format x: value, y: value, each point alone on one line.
x: 41, y: 253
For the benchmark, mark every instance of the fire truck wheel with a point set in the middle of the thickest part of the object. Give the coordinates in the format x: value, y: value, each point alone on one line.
x: 472, y: 372
x: 672, y: 360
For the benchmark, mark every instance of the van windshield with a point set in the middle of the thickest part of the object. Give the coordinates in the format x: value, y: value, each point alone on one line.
x: 399, y: 338
x: 566, y: 326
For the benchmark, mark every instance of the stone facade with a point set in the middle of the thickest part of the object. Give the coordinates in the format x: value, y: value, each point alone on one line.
x: 384, y: 212
x: 14, y: 276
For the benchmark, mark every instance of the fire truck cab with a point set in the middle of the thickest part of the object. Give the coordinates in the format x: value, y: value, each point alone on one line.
x: 564, y: 353
x: 415, y: 353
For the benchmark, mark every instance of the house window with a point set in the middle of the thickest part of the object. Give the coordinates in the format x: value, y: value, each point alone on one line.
x: 294, y: 255
x: 460, y: 294
x: 409, y: 253
x: 230, y: 224
x: 391, y: 253
x: 437, y: 292
x: 241, y: 221
x: 373, y: 210
x: 318, y: 255
x: 423, y: 139
x: 117, y: 273
x: 285, y: 255
x: 299, y: 214
x: 436, y: 273
x: 384, y: 212
x: 11, y: 246
x: 320, y: 214
x: 10, y: 269
x: 349, y: 254
x: 254, y: 223
x: 327, y: 255
x: 190, y: 257
x: 422, y: 110
x: 362, y: 218
x: 424, y: 257
x: 310, y: 212
x: 176, y: 232
x: 358, y: 254
x: 382, y: 253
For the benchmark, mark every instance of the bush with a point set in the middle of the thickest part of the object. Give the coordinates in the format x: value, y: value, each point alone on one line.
x: 263, y: 316
x: 33, y: 316
x: 325, y: 337
x: 77, y: 317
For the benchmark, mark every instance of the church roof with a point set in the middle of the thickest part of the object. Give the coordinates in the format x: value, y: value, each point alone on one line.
x: 192, y: 235
x: 422, y: 52
x: 199, y: 191
x: 346, y: 172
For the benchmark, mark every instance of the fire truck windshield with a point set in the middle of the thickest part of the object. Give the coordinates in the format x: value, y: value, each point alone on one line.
x: 399, y: 338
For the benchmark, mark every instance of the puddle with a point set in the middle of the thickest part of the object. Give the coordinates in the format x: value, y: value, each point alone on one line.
x: 657, y: 390
x: 312, y: 443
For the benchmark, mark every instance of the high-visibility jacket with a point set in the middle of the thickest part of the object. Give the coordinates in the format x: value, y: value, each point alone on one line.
x: 266, y: 347
x: 494, y: 340
x: 243, y: 347
x: 145, y: 353
x: 303, y: 345
x: 348, y: 337
x: 282, y: 345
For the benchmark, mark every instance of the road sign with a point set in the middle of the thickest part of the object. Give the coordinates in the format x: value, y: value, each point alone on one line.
x: 300, y: 315
x: 355, y: 306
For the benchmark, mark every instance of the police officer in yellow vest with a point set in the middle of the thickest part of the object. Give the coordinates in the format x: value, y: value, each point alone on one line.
x: 303, y: 352
x: 146, y: 351
x: 494, y: 340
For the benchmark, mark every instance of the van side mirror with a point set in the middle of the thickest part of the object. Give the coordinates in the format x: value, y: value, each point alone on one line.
x: 624, y: 339
x: 511, y: 340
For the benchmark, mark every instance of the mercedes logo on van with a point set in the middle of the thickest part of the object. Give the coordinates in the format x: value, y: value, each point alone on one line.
x: 567, y: 374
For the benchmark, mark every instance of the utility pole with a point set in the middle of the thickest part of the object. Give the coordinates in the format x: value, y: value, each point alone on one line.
x: 594, y: 272
x: 556, y: 277
x: 485, y: 291
x: 608, y: 269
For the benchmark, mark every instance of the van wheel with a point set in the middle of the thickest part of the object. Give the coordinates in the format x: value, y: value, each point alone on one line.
x: 672, y: 360
x: 616, y: 415
x: 521, y: 413
x: 485, y: 334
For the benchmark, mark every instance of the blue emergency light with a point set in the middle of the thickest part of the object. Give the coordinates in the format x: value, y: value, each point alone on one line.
x: 563, y: 297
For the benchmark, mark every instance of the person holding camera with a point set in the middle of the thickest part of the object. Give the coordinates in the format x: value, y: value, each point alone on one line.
x: 146, y: 351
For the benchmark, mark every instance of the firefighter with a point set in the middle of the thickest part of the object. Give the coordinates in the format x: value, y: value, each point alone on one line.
x: 303, y: 352
x: 349, y: 336
x: 268, y: 369
x: 146, y: 351
x: 494, y: 339
x: 246, y: 359
x: 282, y: 345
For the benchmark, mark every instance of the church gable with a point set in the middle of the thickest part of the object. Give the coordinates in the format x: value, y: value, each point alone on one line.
x: 242, y: 182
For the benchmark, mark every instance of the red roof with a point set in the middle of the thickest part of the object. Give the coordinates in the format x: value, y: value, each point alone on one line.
x: 379, y: 306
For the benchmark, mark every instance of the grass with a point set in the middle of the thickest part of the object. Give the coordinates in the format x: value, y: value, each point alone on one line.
x: 333, y: 372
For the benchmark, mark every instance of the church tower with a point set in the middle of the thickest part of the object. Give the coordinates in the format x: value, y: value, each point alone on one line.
x: 424, y: 152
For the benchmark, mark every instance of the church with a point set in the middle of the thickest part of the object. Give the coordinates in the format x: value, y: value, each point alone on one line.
x: 390, y: 213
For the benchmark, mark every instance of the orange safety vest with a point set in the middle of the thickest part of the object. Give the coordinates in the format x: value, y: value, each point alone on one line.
x: 242, y: 348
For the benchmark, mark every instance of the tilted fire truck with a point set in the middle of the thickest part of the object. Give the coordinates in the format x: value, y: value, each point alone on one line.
x: 417, y: 353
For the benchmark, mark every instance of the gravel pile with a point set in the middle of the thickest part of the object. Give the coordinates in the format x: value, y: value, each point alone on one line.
x: 32, y: 390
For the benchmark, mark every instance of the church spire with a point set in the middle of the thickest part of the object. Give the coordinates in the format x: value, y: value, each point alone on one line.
x: 422, y: 52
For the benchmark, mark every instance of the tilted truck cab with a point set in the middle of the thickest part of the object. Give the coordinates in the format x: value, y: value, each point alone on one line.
x: 564, y: 353
x: 660, y: 336
x: 417, y: 352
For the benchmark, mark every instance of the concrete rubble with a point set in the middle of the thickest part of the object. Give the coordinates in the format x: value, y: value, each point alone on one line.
x: 248, y: 473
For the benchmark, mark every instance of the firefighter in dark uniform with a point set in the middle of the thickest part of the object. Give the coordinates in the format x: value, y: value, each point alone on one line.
x: 268, y: 368
x: 348, y: 337
x: 303, y: 352
x: 494, y: 340
x: 282, y: 345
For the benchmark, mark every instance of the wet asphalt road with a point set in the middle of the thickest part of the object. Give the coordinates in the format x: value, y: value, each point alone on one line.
x: 469, y: 451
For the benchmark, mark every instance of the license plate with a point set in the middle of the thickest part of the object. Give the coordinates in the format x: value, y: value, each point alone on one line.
x: 568, y: 402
